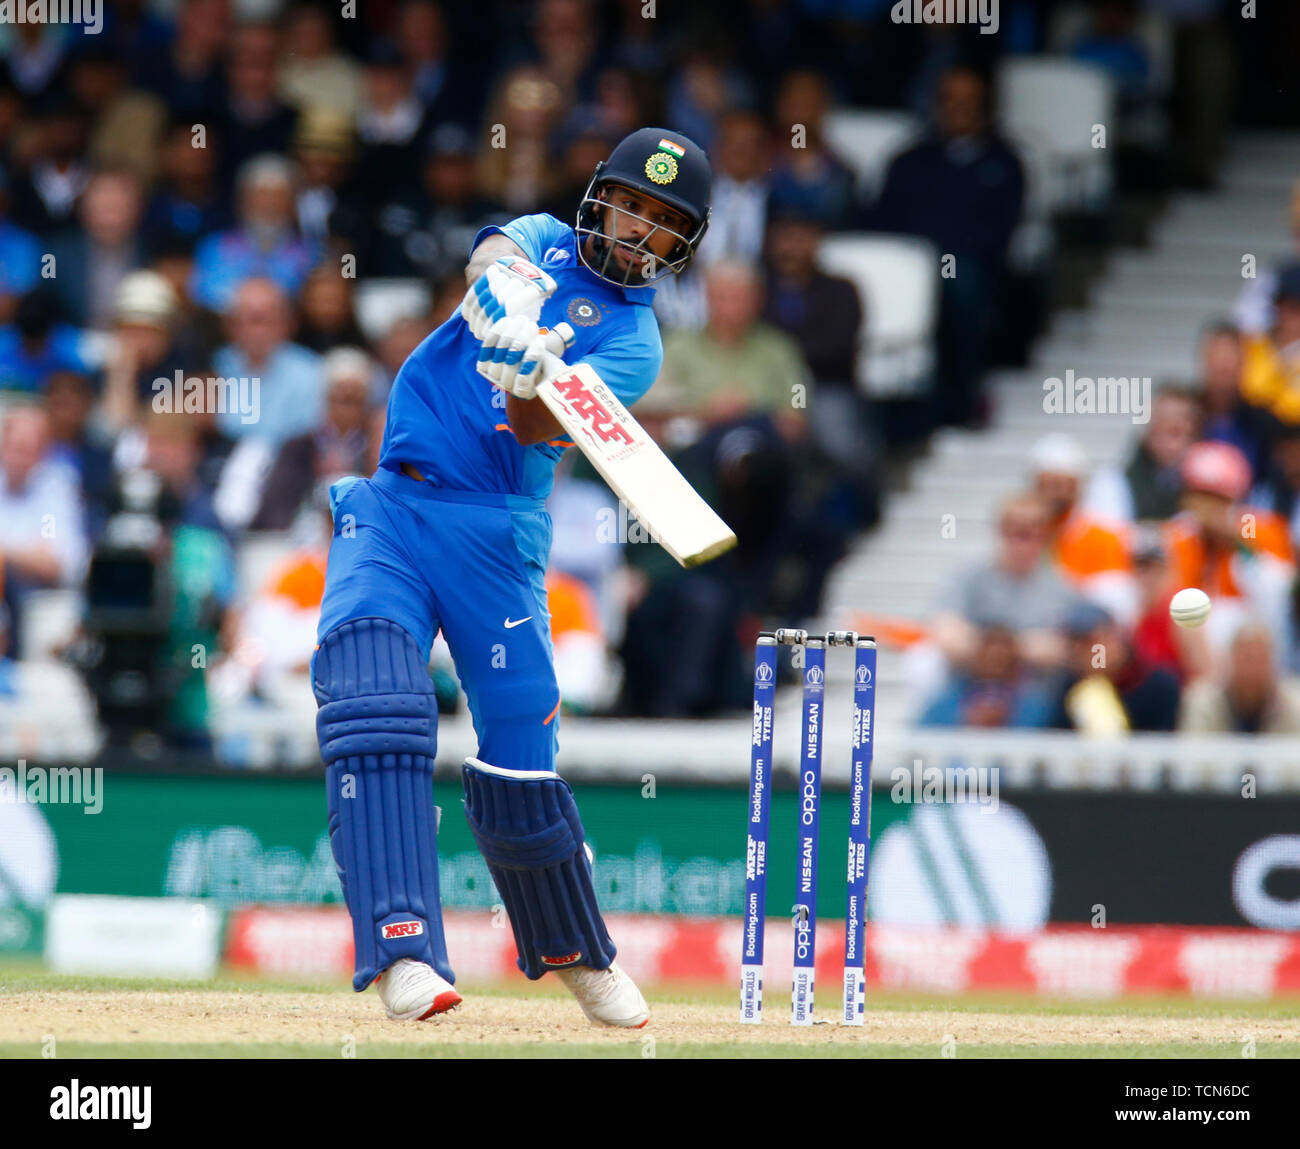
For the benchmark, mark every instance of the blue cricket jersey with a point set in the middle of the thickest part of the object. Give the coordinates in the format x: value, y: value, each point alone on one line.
x: 450, y: 423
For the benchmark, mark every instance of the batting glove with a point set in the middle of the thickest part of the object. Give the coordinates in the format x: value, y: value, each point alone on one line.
x: 509, y: 287
x: 516, y: 356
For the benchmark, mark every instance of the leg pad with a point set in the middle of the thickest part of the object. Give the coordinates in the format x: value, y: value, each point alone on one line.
x: 527, y: 826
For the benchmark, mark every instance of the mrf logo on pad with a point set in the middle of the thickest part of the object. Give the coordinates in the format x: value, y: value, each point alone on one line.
x: 401, y: 930
x: 563, y: 959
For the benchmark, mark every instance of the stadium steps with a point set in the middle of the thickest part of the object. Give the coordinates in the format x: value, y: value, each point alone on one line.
x: 1143, y: 319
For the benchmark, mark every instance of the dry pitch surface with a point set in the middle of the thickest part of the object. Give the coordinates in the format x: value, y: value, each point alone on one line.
x: 88, y: 1017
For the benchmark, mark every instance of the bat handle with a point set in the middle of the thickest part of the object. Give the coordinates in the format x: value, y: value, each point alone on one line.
x: 559, y: 339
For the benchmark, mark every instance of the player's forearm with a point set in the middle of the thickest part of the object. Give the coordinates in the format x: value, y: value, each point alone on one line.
x: 531, y: 421
x: 487, y: 252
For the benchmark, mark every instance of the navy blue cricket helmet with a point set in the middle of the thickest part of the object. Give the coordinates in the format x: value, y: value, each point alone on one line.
x: 655, y: 162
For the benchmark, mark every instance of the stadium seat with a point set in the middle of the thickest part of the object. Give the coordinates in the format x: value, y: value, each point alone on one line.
x: 867, y: 141
x: 897, y: 277
x: 381, y: 301
x: 1050, y: 106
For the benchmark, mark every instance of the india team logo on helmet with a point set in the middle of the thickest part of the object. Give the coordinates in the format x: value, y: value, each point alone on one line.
x: 661, y: 168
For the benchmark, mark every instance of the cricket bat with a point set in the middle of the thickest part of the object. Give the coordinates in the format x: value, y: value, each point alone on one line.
x: 637, y: 471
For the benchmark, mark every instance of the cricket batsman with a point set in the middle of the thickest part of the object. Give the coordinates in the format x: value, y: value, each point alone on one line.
x: 451, y: 534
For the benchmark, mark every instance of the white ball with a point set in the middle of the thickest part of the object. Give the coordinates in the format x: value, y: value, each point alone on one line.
x: 1190, y: 607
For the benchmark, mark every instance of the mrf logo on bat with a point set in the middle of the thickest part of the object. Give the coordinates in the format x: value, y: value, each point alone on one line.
x: 594, y: 414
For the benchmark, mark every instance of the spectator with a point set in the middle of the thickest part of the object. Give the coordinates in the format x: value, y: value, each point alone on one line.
x: 1271, y: 372
x: 35, y: 55
x: 586, y: 142
x: 962, y: 188
x: 189, y: 202
x: 741, y: 383
x: 52, y: 156
x: 188, y: 76
x: 1239, y: 555
x: 403, y: 336
x: 391, y: 124
x: 1114, y: 43
x: 564, y: 38
x: 823, y: 314
x: 1109, y: 688
x: 700, y: 94
x: 143, y: 350
x: 253, y: 121
x: 328, y: 316
x: 42, y: 536
x: 740, y: 190
x: 1228, y: 417
x: 314, y: 74
x: 808, y: 175
x: 291, y: 383
x: 1018, y: 591
x: 623, y: 102
x: 737, y: 365
x: 91, y: 261
x: 446, y: 91
x: 1156, y: 637
x: 36, y: 345
x: 127, y: 123
x: 11, y: 115
x: 1090, y: 553
x: 202, y: 570
x: 196, y: 331
x: 428, y: 233
x: 1280, y: 490
x: 1252, y: 699
x: 20, y: 258
x: 69, y: 402
x: 337, y: 447
x: 527, y: 106
x: 1150, y: 485
x: 264, y: 242
x: 1255, y: 313
x: 328, y: 207
x: 995, y: 692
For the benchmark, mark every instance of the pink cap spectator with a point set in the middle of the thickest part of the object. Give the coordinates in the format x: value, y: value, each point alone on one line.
x: 1217, y: 468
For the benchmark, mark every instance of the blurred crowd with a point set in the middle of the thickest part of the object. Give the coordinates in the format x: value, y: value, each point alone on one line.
x: 217, y: 193
x: 1069, y: 626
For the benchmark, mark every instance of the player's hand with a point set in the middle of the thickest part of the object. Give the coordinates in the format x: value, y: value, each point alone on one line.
x: 510, y: 287
x: 511, y: 355
x: 516, y: 356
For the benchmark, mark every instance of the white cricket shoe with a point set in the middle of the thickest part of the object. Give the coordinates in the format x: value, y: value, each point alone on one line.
x: 413, y: 991
x: 607, y: 996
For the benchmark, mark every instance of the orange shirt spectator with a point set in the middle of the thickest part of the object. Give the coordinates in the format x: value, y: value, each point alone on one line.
x: 1090, y: 553
x: 1215, y: 569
